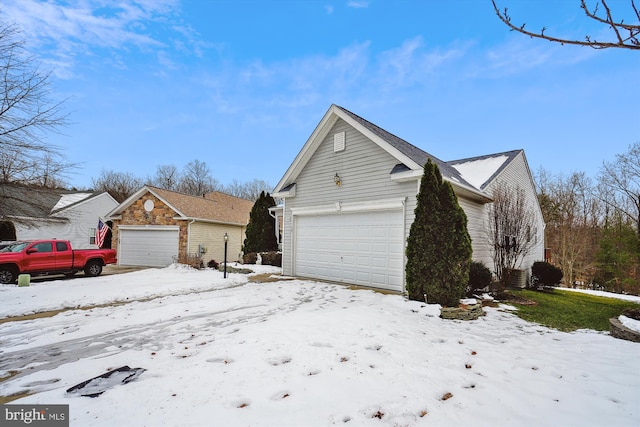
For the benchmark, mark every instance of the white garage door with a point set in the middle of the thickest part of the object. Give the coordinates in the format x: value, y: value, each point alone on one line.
x: 364, y: 248
x: 148, y: 247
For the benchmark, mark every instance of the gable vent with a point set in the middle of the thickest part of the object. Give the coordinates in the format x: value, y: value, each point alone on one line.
x: 338, y: 142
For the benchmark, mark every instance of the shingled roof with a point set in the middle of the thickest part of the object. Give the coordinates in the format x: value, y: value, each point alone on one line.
x: 414, y: 153
x: 481, y: 170
x: 213, y: 207
x: 36, y: 202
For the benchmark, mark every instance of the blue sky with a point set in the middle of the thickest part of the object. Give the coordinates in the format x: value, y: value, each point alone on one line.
x: 241, y: 85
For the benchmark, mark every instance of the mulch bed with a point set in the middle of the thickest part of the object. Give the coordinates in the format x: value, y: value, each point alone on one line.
x: 516, y: 299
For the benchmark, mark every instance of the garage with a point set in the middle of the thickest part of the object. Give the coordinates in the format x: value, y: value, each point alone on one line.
x: 148, y: 246
x: 360, y: 248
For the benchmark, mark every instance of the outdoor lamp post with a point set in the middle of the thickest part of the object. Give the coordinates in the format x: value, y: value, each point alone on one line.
x: 226, y: 239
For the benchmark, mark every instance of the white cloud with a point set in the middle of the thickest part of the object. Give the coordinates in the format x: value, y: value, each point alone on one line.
x: 358, y: 4
x: 60, y: 32
x: 521, y: 54
x: 354, y: 74
x: 412, y: 62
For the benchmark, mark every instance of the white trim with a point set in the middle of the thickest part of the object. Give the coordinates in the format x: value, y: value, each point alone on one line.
x: 458, y: 187
x: 137, y: 195
x: 393, y: 151
x: 409, y: 175
x: 148, y: 227
x: 210, y: 221
x: 291, y: 192
x: 374, y: 205
x: 320, y: 132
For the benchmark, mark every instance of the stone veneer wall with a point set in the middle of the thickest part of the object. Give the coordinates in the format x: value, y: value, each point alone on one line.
x: 618, y: 330
x: 160, y: 215
x: 463, y: 312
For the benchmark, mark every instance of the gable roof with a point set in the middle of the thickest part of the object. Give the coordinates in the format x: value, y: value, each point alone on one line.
x: 481, y: 170
x: 411, y: 158
x: 416, y: 154
x: 39, y: 203
x: 212, y: 207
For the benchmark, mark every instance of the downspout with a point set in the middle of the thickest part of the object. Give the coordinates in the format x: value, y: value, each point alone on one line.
x: 404, y: 246
x: 277, y: 228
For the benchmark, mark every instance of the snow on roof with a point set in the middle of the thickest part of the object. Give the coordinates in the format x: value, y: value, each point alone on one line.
x: 478, y: 171
x: 69, y: 199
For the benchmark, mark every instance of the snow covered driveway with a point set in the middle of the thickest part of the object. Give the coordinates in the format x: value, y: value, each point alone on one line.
x: 300, y: 353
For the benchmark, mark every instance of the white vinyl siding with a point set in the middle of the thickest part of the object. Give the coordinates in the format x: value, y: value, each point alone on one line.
x: 74, y: 223
x: 154, y: 246
x: 364, y: 169
x: 517, y: 174
x: 477, y: 216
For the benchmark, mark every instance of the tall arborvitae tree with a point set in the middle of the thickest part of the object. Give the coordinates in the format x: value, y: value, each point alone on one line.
x: 260, y: 234
x: 439, y: 246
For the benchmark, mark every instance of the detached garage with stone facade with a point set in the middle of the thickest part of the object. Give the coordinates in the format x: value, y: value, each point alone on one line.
x: 156, y: 227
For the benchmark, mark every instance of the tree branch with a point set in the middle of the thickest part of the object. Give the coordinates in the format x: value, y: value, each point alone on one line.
x: 629, y: 42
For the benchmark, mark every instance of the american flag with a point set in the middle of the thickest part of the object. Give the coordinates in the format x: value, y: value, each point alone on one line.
x: 101, y: 233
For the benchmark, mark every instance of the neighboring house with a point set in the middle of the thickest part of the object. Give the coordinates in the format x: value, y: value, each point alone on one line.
x: 39, y: 213
x: 155, y: 227
x: 350, y: 194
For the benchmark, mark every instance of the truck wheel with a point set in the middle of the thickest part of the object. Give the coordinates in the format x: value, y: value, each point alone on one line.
x: 93, y: 268
x: 8, y: 275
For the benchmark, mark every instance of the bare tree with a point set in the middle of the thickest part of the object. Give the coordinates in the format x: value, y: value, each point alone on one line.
x: 510, y: 230
x: 27, y: 114
x: 248, y: 190
x: 623, y: 35
x: 621, y: 184
x: 167, y: 177
x: 197, y: 180
x: 119, y: 185
x: 572, y: 214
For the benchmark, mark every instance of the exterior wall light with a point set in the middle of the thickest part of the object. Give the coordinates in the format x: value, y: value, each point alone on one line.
x: 337, y: 180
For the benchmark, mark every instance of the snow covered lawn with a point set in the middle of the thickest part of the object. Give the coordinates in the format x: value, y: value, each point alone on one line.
x: 229, y: 352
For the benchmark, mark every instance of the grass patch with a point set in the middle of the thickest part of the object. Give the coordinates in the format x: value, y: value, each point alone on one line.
x: 568, y: 311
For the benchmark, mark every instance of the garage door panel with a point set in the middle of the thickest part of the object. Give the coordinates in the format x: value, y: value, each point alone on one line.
x: 364, y: 248
x: 152, y: 248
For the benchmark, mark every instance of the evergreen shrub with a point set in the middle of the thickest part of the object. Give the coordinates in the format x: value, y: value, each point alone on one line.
x: 260, y: 233
x: 545, y: 274
x: 480, y: 277
x: 438, y: 246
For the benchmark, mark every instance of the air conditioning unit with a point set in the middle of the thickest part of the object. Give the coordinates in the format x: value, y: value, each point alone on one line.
x: 518, y: 279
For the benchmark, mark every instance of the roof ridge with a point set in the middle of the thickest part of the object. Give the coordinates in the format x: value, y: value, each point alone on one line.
x: 198, y: 197
x: 486, y: 156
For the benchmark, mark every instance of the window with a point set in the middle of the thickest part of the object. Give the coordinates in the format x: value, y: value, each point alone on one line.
x: 62, y: 246
x: 92, y: 236
x: 43, y: 247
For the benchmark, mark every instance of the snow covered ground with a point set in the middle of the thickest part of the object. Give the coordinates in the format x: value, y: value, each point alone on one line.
x: 230, y: 352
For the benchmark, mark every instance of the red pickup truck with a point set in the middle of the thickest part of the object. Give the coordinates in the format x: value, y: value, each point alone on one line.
x: 47, y: 257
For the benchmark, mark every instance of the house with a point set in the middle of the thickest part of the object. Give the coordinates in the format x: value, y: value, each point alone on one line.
x: 350, y: 194
x: 155, y: 227
x: 42, y: 213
